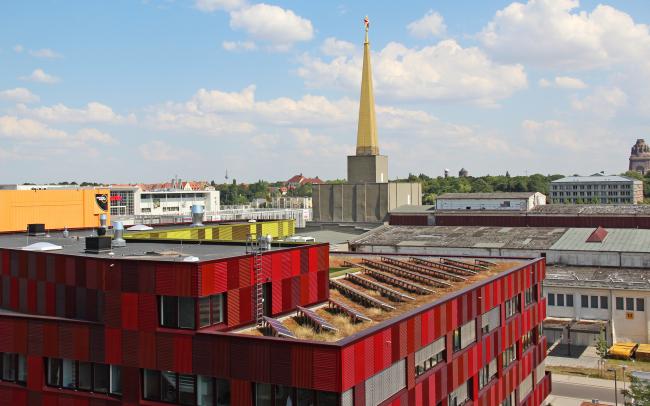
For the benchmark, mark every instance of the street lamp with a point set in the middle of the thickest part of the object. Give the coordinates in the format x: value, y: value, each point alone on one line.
x: 624, y: 367
x: 615, y: 389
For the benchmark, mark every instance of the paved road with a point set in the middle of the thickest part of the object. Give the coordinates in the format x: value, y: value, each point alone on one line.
x: 584, y: 392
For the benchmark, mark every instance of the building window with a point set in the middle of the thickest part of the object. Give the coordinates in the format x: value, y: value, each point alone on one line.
x: 84, y: 376
x: 594, y: 302
x: 171, y: 387
x: 487, y: 373
x: 512, y: 306
x: 265, y: 394
x: 509, y: 400
x: 525, y: 387
x: 177, y: 312
x: 491, y: 320
x: 619, y: 303
x: 509, y: 356
x: 429, y: 356
x: 210, y: 310
x: 530, y: 295
x: 640, y: 304
x: 461, y: 395
x: 560, y: 300
x: 13, y: 368
x: 569, y: 300
x: 464, y: 335
x: 551, y: 299
x: 584, y: 301
x: 526, y: 341
x: 604, y: 302
x: 629, y: 303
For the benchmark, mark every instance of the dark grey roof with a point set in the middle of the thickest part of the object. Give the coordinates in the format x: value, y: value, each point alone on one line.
x: 593, y: 209
x: 172, y: 251
x: 495, y: 195
x: 411, y: 208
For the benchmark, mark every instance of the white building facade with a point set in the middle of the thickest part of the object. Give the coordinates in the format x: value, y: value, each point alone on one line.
x: 133, y: 201
x: 506, y: 201
x: 597, y: 189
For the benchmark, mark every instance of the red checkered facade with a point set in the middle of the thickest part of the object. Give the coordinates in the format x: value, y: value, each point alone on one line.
x: 105, y: 311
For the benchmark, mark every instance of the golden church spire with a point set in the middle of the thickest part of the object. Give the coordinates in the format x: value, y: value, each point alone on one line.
x: 367, y: 143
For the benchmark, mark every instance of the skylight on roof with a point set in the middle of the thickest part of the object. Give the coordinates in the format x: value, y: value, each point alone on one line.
x: 42, y: 246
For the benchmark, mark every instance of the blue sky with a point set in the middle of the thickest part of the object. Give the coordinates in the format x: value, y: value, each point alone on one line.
x: 128, y: 91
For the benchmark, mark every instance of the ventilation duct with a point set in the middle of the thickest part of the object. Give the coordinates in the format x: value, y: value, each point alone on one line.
x: 35, y: 229
x: 102, y: 225
x: 197, y: 215
x: 118, y: 234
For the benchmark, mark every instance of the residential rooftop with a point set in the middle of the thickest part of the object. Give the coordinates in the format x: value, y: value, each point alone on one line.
x: 463, y: 236
x: 372, y: 269
x: 615, y: 240
x: 597, y: 277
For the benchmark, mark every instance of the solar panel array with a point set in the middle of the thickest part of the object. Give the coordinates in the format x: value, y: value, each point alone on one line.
x: 393, y: 280
x: 416, y: 276
x: 485, y: 263
x: 279, y: 330
x: 464, y: 265
x: 444, y: 267
x: 353, y: 314
x: 360, y: 296
x: 317, y: 321
x: 384, y: 290
x: 427, y: 270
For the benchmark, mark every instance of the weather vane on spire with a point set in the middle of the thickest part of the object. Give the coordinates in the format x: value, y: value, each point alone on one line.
x: 366, y: 22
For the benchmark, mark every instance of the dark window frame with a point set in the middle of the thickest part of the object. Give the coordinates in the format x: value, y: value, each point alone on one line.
x: 584, y: 301
x: 594, y: 301
x: 220, y: 387
x: 17, y: 360
x: 640, y: 304
x: 604, y: 302
x: 569, y: 298
x: 551, y: 299
x: 76, y: 378
x: 316, y: 395
x: 175, y: 321
x: 620, y: 305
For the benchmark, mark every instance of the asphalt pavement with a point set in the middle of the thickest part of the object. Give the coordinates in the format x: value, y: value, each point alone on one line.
x: 571, y: 390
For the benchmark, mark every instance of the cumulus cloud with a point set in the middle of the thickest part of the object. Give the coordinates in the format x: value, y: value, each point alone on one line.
x: 239, y: 45
x: 45, y: 53
x: 39, y: 76
x: 19, y: 95
x: 551, y: 132
x: 60, y: 113
x: 278, y: 27
x: 445, y: 71
x: 552, y: 33
x: 27, y: 129
x: 604, y: 102
x: 563, y: 82
x: 160, y: 151
x: 213, y: 5
x: 93, y: 135
x: 431, y: 25
x: 335, y: 47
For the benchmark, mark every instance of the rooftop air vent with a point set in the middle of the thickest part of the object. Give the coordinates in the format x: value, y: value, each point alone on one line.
x: 118, y: 233
x: 35, y: 229
x: 42, y: 246
x: 98, y: 244
x: 140, y: 227
x: 197, y: 215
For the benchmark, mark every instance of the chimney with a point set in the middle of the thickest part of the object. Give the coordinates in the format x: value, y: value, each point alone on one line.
x: 197, y: 215
x: 102, y: 224
x: 118, y: 233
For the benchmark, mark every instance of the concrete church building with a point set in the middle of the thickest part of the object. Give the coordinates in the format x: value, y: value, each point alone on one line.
x: 367, y: 197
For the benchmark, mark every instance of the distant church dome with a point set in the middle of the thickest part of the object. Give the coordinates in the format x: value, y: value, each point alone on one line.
x: 640, y: 157
x: 463, y: 173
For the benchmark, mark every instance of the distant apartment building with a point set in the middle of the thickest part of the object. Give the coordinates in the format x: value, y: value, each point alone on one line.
x: 298, y: 180
x: 134, y: 201
x: 518, y: 201
x: 290, y: 202
x: 597, y: 189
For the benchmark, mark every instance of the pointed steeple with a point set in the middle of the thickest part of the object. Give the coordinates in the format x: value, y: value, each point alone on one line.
x: 367, y: 143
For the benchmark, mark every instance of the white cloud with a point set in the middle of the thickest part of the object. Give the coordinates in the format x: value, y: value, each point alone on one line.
x: 551, y: 132
x: 279, y: 27
x: 431, y: 25
x: 19, y: 95
x: 213, y: 5
x: 27, y: 129
x: 39, y: 76
x: 239, y: 45
x: 45, y: 53
x: 335, y: 47
x: 60, y: 113
x: 604, y: 102
x: 18, y: 48
x: 552, y: 33
x: 93, y: 135
x: 160, y: 151
x: 563, y: 82
x: 445, y: 71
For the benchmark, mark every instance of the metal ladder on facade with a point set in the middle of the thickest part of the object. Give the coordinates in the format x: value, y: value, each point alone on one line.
x: 256, y: 250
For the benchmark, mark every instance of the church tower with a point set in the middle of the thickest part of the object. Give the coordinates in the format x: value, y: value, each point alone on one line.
x: 367, y: 166
x: 640, y: 157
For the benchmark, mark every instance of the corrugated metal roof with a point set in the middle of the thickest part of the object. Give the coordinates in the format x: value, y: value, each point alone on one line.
x: 618, y: 239
x: 594, y: 178
x: 495, y: 195
x: 412, y: 208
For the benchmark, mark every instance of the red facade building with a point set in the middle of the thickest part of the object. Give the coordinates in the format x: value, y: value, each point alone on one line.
x: 81, y: 329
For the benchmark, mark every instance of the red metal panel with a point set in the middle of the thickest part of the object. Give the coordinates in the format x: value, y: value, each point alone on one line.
x: 130, y: 311
x: 304, y: 289
x: 232, y: 307
x: 246, y: 304
x: 183, y: 354
x: 113, y: 309
x: 326, y: 376
x: 276, y: 296
x: 302, y: 365
x: 130, y: 348
x: 280, y: 364
x: 113, y: 346
x: 245, y: 272
x: 233, y: 274
x: 147, y: 312
x: 295, y: 290
x: 147, y: 350
x: 166, y: 280
x: 165, y: 352
x: 81, y: 343
x: 241, y: 392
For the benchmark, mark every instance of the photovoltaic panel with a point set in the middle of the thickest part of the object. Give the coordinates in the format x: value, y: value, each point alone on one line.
x: 353, y: 314
x: 278, y: 328
x: 316, y: 320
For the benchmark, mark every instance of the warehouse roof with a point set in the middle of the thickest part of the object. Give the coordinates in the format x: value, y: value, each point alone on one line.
x: 495, y: 195
x: 463, y: 236
x: 412, y: 208
x: 617, y: 240
x: 596, y: 277
x: 593, y: 209
x: 595, y: 178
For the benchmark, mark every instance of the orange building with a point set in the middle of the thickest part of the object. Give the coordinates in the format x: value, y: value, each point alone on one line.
x: 57, y: 209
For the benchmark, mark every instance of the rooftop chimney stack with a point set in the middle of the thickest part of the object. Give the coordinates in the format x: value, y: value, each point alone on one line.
x: 102, y: 225
x: 118, y: 234
x: 197, y: 215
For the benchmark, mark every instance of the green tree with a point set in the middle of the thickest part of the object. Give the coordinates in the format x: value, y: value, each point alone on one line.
x: 601, y: 346
x: 638, y: 393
